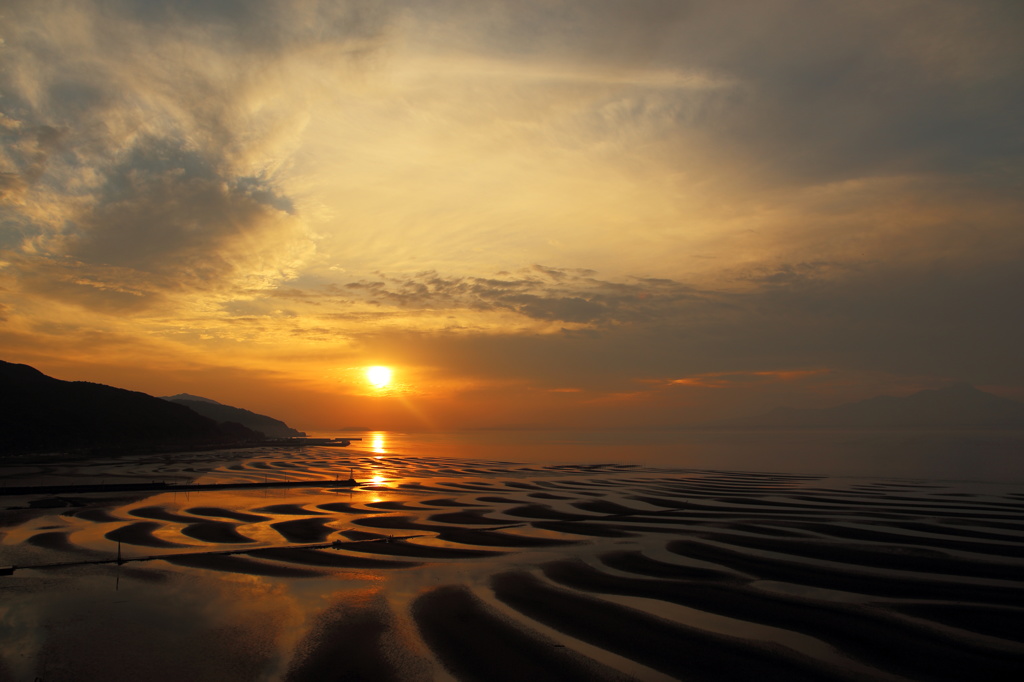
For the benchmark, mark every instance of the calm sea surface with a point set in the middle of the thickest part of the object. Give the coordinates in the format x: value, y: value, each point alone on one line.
x: 977, y: 456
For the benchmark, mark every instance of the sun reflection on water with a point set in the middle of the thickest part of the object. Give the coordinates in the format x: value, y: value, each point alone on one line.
x: 377, y: 443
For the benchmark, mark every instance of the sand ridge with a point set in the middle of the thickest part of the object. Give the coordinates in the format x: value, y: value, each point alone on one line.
x: 501, y: 571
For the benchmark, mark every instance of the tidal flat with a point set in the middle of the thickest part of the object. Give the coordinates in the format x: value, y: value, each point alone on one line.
x: 441, y: 568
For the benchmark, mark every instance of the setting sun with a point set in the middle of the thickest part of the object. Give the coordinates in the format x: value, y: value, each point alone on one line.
x: 379, y: 376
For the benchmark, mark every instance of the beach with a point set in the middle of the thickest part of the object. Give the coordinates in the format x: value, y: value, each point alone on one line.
x: 440, y: 568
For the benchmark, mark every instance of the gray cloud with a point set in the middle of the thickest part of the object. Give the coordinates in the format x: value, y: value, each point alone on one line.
x: 167, y: 211
x: 949, y: 321
x: 544, y: 293
x: 836, y: 92
x: 821, y: 91
x: 26, y: 150
x: 138, y: 140
x: 266, y: 26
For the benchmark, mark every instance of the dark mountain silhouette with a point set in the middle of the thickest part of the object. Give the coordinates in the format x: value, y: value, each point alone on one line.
x: 960, y: 406
x: 42, y: 414
x: 188, y: 396
x: 268, y: 426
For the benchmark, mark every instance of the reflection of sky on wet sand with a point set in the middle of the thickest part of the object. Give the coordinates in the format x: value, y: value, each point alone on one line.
x: 238, y: 619
x: 153, y: 620
x: 93, y: 624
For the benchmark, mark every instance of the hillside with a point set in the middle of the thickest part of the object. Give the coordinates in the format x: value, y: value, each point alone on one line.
x: 959, y: 406
x: 268, y: 426
x: 42, y: 414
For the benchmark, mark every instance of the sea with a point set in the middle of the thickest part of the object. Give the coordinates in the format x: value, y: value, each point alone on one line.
x: 990, y: 456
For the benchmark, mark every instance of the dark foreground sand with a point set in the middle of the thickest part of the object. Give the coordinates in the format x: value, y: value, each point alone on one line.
x: 486, y: 571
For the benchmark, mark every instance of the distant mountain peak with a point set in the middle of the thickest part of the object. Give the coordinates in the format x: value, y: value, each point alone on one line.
x: 961, y: 387
x: 219, y: 412
x: 14, y: 370
x: 189, y: 396
x: 39, y: 413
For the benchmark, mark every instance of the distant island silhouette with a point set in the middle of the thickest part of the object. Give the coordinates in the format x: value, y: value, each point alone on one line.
x: 41, y: 414
x: 221, y: 413
x: 959, y: 406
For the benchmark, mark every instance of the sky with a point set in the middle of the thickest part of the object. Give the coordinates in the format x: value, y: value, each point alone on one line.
x: 538, y: 214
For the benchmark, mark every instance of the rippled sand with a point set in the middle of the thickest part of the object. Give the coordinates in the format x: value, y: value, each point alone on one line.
x: 440, y: 568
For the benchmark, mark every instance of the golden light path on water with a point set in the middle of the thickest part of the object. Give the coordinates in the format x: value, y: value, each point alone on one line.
x: 377, y: 446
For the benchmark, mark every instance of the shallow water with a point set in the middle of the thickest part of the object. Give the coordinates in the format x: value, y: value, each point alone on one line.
x: 953, y: 455
x: 547, y: 568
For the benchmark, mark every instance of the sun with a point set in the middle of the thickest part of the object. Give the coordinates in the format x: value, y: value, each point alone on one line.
x: 379, y: 376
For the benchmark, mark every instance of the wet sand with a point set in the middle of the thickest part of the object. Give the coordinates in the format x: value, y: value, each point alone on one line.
x: 289, y: 509
x: 160, y: 514
x: 351, y: 640
x: 676, y: 650
x: 94, y: 515
x: 497, y: 571
x: 215, y: 532
x: 236, y: 564
x: 314, y: 557
x: 140, y: 533
x: 218, y: 513
x: 477, y: 644
x: 303, y: 530
x: 55, y: 540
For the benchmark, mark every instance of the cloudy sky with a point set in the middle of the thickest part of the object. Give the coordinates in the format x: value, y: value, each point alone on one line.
x: 538, y: 213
